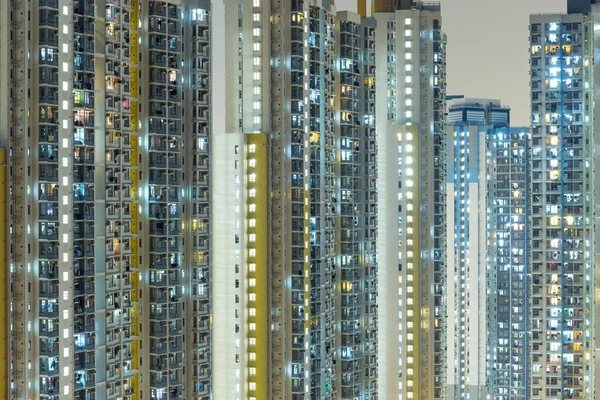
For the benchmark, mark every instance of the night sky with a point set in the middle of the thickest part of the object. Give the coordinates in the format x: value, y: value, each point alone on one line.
x: 488, y: 42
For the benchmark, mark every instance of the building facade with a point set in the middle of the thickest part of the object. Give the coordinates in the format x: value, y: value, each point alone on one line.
x: 509, y: 256
x: 201, y: 217
x: 563, y: 197
x: 467, y: 250
x: 108, y: 211
x: 357, y: 202
x: 411, y: 127
x: 324, y: 203
x: 487, y: 252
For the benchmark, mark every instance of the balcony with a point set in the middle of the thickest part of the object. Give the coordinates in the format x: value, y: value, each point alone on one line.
x: 49, y: 251
x: 48, y: 231
x: 49, y: 367
x: 49, y: 347
x: 48, y: 18
x: 157, y: 126
x: 48, y: 309
x: 157, y: 25
x: 84, y: 7
x: 157, y: 8
x: 157, y: 42
x: 158, y: 59
x: 157, y: 382
x: 49, y: 3
x: 50, y: 389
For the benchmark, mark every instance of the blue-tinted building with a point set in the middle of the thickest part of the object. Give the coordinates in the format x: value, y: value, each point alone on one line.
x: 487, y: 251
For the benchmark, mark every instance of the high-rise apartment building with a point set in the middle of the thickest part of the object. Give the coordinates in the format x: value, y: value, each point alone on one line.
x: 487, y: 252
x: 106, y: 125
x: 509, y: 279
x: 356, y: 202
x: 563, y: 199
x: 323, y: 209
x: 466, y: 247
x: 411, y: 128
x: 298, y: 253
x: 204, y: 217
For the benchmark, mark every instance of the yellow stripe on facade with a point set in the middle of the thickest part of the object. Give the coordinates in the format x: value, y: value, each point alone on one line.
x: 134, y: 115
x: 134, y: 49
x: 134, y: 14
x: 135, y: 79
x: 258, y: 264
x: 134, y: 195
x: 361, y: 8
x: 134, y: 143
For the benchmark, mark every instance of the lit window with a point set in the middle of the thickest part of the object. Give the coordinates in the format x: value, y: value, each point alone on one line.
x: 252, y: 237
x: 252, y: 297
x: 252, y: 355
x: 252, y: 267
x: 252, y: 282
x: 252, y: 223
x: 252, y: 312
x: 252, y: 326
